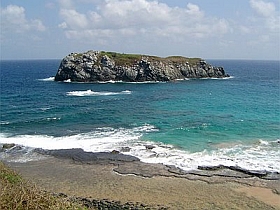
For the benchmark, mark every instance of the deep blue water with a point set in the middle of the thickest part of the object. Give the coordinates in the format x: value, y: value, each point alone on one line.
x: 233, y: 121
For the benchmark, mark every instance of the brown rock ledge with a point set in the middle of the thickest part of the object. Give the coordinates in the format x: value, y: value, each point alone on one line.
x: 153, y: 185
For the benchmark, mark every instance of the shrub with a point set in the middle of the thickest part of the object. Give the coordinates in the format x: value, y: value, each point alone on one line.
x: 18, y: 194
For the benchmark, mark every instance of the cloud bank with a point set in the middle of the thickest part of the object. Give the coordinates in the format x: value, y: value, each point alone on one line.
x: 139, y: 18
x: 267, y: 12
x: 246, y: 29
x: 13, y: 19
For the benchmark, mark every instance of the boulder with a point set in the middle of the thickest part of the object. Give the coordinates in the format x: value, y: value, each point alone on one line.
x: 8, y: 146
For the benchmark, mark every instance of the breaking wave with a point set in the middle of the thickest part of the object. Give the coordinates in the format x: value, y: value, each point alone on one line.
x: 260, y: 155
x: 93, y: 93
x: 49, y: 79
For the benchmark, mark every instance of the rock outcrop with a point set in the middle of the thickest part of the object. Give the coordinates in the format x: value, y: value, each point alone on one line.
x: 96, y: 66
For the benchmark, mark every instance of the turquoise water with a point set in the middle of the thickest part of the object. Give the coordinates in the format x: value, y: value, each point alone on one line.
x: 234, y: 121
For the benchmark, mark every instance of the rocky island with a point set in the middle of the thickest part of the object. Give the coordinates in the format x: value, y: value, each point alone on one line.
x: 100, y: 66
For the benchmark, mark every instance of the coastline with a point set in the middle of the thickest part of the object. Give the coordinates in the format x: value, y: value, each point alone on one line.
x: 154, y: 185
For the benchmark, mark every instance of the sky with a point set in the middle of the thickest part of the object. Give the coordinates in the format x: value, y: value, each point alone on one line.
x: 210, y: 29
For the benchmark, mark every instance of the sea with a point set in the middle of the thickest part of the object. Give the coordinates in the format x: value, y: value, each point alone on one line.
x: 187, y: 123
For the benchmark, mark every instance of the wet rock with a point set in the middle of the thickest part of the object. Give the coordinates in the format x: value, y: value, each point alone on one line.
x: 8, y: 146
x: 236, y: 171
x: 105, y: 204
x: 149, y: 147
x: 115, y: 152
x: 125, y: 149
x: 80, y: 155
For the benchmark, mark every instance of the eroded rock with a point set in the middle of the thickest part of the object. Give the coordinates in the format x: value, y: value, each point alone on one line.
x: 96, y: 66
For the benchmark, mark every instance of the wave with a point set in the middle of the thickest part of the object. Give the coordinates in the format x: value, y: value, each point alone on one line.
x: 216, y: 78
x: 53, y: 118
x: 260, y: 155
x: 93, y: 93
x: 100, y: 140
x: 185, y: 79
x: 67, y: 81
x: 125, y: 82
x: 49, y: 79
x: 44, y: 108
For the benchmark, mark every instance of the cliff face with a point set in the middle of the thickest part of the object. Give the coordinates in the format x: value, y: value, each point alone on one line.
x: 95, y: 66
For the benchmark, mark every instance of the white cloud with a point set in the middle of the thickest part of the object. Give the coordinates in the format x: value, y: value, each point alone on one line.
x: 66, y: 4
x: 194, y: 10
x: 37, y: 24
x: 142, y: 17
x: 265, y: 9
x: 63, y: 25
x: 267, y: 12
x: 74, y: 19
x: 13, y: 18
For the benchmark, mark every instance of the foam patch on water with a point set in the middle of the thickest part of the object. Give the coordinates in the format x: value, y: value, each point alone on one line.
x: 217, y: 78
x: 93, y: 93
x: 260, y: 155
x: 99, y: 140
x: 49, y: 79
x: 263, y: 155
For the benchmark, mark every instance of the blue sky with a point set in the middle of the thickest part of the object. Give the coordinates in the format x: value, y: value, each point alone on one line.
x: 216, y: 29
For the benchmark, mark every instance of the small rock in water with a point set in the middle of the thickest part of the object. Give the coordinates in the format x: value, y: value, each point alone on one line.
x: 8, y: 146
x: 125, y: 149
x: 115, y: 152
x: 149, y: 147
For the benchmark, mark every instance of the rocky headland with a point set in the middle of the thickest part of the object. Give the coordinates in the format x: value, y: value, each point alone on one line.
x: 100, y: 66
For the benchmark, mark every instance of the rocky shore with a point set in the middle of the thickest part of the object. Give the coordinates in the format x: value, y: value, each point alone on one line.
x: 111, y: 180
x: 100, y: 66
x: 127, y: 164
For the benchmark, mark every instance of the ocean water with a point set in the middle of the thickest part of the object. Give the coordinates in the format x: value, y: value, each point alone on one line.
x: 190, y: 123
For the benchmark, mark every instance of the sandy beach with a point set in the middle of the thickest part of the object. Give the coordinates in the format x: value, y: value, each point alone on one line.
x: 149, y: 184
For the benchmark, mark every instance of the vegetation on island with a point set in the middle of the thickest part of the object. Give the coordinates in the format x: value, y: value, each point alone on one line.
x: 129, y: 59
x: 123, y: 59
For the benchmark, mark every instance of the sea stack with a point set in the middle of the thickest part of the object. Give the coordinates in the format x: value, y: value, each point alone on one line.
x: 100, y: 66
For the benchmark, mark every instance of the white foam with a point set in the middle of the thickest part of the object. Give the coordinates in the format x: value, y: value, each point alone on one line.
x: 21, y: 155
x: 217, y: 78
x: 47, y: 79
x: 53, y: 118
x: 251, y: 157
x: 145, y: 82
x: 110, y: 81
x: 93, y: 93
x: 102, y: 139
x: 45, y: 108
x: 261, y: 155
x: 67, y: 81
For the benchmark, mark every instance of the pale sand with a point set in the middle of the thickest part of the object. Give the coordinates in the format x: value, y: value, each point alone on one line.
x: 262, y: 194
x: 98, y: 181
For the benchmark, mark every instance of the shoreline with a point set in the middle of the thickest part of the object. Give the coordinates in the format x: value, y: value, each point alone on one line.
x: 115, y: 178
